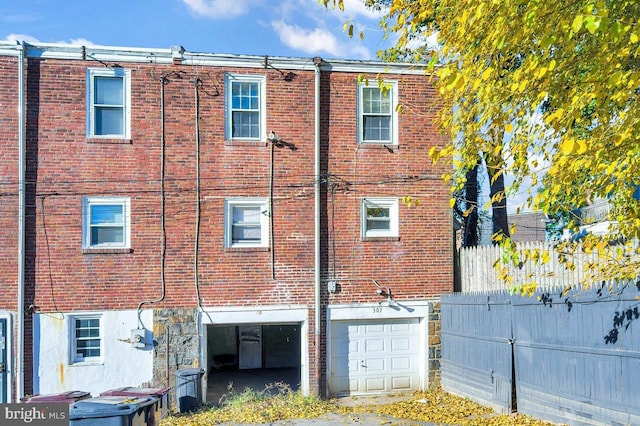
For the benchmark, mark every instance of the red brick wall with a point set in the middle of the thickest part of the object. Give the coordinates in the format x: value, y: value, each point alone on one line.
x: 419, y: 263
x: 69, y: 167
x: 8, y: 183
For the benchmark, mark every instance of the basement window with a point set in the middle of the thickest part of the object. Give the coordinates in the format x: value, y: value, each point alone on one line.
x: 86, y: 340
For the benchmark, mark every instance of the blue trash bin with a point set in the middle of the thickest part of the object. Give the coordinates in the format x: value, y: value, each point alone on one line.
x: 113, y: 411
x: 189, y: 389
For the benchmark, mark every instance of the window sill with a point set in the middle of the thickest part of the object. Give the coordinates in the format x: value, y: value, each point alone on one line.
x: 236, y: 142
x: 87, y: 364
x: 243, y: 249
x: 107, y: 250
x: 110, y: 141
x: 380, y: 238
x: 391, y: 147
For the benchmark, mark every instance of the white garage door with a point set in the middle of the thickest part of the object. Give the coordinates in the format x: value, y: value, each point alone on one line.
x: 374, y: 356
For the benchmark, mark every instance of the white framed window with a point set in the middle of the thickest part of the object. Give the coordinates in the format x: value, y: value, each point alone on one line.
x: 380, y: 217
x: 247, y: 222
x: 377, y: 113
x: 85, y: 338
x: 108, y: 103
x: 106, y: 222
x: 246, y: 107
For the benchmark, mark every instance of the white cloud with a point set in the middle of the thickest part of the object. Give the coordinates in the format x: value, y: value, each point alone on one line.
x: 30, y: 39
x: 316, y: 41
x: 21, y: 37
x: 79, y: 42
x: 219, y: 9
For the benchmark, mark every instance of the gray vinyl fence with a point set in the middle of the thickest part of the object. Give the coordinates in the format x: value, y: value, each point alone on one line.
x: 567, y: 358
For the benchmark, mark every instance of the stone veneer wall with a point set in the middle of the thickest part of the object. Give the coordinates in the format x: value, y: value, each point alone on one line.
x: 434, y: 344
x: 177, y: 345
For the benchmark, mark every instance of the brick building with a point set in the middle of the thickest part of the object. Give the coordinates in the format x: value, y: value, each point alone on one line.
x: 161, y: 209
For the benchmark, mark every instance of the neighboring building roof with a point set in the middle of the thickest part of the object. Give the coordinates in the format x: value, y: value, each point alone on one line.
x: 529, y: 226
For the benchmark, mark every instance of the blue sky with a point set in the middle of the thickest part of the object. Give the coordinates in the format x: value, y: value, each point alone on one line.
x: 298, y: 28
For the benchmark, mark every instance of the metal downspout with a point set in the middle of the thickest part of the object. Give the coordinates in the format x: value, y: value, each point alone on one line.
x: 21, y: 223
x: 316, y: 62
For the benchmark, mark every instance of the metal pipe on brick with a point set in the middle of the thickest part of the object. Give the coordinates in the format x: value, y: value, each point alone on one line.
x: 316, y: 186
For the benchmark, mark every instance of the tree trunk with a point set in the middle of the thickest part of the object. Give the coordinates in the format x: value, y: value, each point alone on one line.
x: 498, y: 196
x: 471, y: 231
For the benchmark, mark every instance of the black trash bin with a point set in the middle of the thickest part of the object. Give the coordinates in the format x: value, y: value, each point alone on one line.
x: 69, y: 397
x: 189, y: 389
x: 161, y: 406
x: 113, y: 411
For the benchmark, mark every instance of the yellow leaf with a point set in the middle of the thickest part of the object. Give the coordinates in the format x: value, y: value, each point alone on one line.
x: 577, y: 23
x: 508, y: 128
x: 522, y: 86
x: 582, y: 146
x: 542, y: 71
x: 567, y: 146
x: 452, y: 202
x: 633, y: 38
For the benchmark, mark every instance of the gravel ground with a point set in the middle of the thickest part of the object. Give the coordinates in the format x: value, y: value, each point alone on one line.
x: 364, y: 419
x: 349, y: 419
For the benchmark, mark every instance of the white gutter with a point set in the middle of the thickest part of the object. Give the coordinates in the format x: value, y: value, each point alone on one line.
x: 113, y: 54
x: 316, y: 188
x: 21, y: 225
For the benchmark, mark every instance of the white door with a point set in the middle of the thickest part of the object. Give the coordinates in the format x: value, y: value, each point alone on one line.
x: 250, y: 352
x: 375, y: 356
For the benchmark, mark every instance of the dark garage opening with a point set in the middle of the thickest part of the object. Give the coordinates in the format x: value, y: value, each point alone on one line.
x: 252, y: 356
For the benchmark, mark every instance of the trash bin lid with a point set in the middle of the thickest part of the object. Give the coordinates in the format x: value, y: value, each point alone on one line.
x: 70, y: 396
x: 133, y: 391
x: 190, y: 372
x: 108, y: 406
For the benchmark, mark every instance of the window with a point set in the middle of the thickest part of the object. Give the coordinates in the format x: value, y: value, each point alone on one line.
x: 108, y: 103
x: 86, y: 339
x: 106, y: 222
x: 380, y: 217
x: 377, y: 117
x: 247, y: 223
x: 246, y: 106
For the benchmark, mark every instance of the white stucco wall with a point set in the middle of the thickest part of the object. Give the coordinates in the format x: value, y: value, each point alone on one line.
x: 121, y: 364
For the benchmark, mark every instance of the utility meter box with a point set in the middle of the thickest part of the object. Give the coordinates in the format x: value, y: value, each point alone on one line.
x: 139, y: 337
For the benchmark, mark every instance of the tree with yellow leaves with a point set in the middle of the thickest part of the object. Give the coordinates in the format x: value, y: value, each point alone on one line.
x: 534, y: 83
